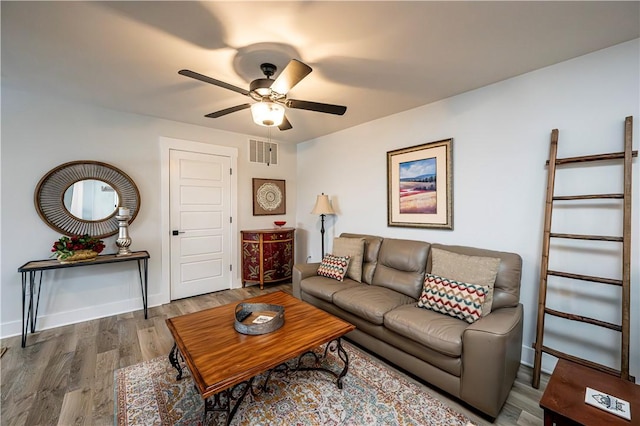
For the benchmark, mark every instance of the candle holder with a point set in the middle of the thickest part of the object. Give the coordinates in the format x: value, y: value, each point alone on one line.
x: 124, y: 241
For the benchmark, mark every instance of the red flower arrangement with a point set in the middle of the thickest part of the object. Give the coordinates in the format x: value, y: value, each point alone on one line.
x: 67, y: 246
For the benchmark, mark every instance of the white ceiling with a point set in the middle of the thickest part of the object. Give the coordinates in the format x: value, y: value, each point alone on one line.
x: 377, y: 58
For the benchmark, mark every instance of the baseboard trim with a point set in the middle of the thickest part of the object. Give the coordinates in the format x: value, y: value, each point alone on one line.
x: 60, y: 319
x: 528, y: 357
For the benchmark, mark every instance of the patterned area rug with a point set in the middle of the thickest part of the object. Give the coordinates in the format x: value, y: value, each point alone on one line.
x: 148, y: 394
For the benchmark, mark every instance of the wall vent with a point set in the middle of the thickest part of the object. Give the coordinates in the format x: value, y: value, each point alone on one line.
x: 263, y: 152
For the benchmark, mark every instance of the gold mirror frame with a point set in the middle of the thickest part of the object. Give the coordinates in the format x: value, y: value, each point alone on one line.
x: 49, y: 197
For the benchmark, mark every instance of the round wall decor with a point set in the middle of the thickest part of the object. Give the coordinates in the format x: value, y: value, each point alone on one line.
x: 269, y: 196
x: 69, y: 207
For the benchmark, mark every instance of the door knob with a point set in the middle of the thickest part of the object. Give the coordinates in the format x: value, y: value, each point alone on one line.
x: 176, y: 232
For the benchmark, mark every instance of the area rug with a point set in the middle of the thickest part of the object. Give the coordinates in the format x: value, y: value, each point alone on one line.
x: 372, y: 394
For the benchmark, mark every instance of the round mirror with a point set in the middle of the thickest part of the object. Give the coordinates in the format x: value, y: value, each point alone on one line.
x: 91, y: 200
x: 81, y: 197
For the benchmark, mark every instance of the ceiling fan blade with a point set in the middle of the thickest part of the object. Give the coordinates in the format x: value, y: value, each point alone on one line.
x: 290, y: 76
x: 285, y: 125
x: 317, y: 106
x: 204, y: 78
x: 228, y: 111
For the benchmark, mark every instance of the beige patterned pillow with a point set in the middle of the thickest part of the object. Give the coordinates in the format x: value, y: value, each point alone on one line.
x: 468, y: 269
x: 354, y: 248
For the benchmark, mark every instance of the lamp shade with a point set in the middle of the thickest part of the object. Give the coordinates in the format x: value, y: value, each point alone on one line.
x: 267, y: 114
x: 323, y: 205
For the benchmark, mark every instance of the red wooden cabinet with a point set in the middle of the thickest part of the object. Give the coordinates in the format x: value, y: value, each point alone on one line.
x: 267, y: 255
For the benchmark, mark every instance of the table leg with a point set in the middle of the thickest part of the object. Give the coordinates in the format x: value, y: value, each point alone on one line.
x: 175, y: 362
x: 30, y: 310
x: 218, y: 405
x: 25, y: 324
x: 32, y: 285
x: 34, y: 312
x: 344, y: 357
x: 333, y: 346
x: 143, y: 283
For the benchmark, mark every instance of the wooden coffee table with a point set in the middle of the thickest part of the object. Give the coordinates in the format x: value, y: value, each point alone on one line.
x: 563, y: 398
x: 221, y: 360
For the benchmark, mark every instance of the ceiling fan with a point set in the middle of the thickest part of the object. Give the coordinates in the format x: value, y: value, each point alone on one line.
x: 271, y: 95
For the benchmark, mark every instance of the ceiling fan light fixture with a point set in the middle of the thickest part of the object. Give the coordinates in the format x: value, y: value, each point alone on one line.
x: 270, y: 95
x: 268, y: 114
x: 261, y: 88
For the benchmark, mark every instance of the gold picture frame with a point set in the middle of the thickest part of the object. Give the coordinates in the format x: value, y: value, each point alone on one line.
x: 420, y: 186
x: 269, y: 197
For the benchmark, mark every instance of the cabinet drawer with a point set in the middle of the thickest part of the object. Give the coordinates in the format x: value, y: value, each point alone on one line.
x: 278, y: 236
x: 250, y: 236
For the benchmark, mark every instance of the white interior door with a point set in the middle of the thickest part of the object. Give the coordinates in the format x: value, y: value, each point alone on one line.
x: 200, y: 215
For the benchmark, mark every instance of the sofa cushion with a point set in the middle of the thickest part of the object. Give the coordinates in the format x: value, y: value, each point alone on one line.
x: 378, y: 337
x: 370, y: 302
x: 334, y: 266
x: 354, y: 248
x: 454, y: 298
x: 439, y: 332
x: 478, y: 270
x: 324, y: 288
x: 370, y: 257
x: 506, y: 290
x: 401, y: 266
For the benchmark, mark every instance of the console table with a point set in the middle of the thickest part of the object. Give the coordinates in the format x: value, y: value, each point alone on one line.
x: 30, y: 311
x: 267, y: 255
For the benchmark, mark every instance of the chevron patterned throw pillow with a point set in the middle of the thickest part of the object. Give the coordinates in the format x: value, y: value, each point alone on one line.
x: 454, y: 298
x: 334, y: 266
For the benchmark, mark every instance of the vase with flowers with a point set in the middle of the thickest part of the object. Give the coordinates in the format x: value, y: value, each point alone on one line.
x: 77, y: 248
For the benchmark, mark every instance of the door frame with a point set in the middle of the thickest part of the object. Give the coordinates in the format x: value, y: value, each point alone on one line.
x: 166, y: 145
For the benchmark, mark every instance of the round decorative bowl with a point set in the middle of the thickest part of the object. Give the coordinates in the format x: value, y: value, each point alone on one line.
x: 258, y: 318
x: 279, y: 223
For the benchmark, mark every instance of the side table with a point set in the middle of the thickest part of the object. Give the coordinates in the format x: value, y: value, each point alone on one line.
x: 267, y: 255
x: 563, y: 398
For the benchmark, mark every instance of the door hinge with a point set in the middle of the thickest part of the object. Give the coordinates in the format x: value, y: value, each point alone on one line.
x: 230, y: 268
x: 231, y: 171
x: 230, y: 219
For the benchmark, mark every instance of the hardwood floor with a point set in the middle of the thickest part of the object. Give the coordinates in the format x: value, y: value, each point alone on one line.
x: 65, y: 375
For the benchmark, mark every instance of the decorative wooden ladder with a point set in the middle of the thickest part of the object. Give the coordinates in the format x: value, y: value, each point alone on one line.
x: 625, y: 283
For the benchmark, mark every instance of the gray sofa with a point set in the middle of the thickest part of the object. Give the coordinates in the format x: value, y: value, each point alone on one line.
x: 476, y: 363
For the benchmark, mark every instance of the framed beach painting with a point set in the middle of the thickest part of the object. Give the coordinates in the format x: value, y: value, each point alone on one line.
x: 420, y: 186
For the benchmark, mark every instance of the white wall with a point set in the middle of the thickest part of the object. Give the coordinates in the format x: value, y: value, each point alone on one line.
x: 501, y: 137
x: 38, y: 134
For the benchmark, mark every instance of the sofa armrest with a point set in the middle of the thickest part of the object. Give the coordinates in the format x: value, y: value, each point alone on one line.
x: 300, y: 272
x: 491, y: 350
